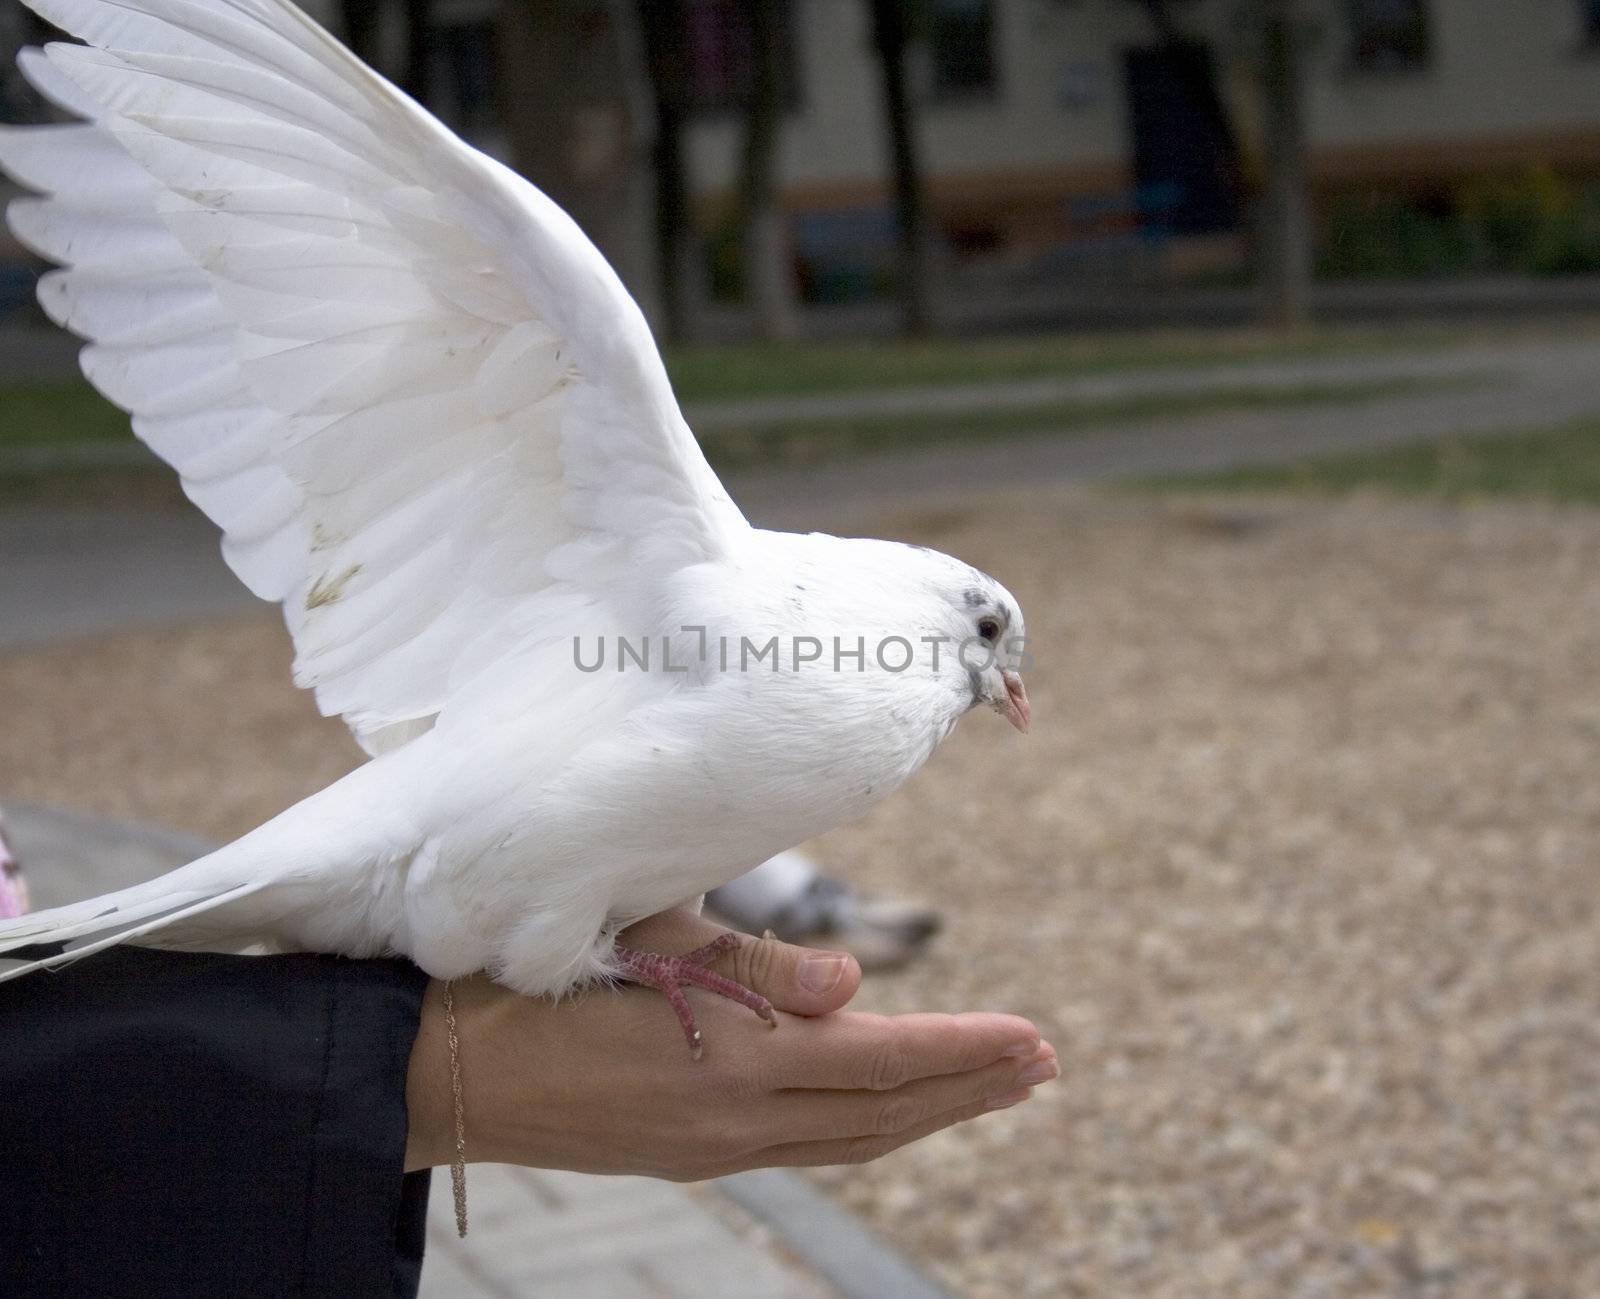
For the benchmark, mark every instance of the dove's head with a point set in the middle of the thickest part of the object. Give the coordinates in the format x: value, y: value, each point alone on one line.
x: 965, y: 630
x: 924, y: 618
x: 986, y: 634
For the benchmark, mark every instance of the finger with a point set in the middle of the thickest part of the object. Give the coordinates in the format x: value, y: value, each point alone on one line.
x: 861, y: 1150
x: 829, y: 1115
x: 800, y: 980
x: 852, y: 1050
x: 674, y: 931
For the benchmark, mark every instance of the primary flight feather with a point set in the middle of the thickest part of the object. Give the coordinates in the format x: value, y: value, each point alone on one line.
x: 433, y: 425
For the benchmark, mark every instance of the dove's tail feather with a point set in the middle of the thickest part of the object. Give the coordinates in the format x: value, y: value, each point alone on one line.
x: 327, y: 874
x: 83, y: 928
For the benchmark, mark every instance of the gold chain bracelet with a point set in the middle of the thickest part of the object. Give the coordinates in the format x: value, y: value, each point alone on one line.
x: 458, y: 1164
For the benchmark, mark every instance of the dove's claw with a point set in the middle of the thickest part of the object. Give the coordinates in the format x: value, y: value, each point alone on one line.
x: 708, y: 952
x: 669, y: 974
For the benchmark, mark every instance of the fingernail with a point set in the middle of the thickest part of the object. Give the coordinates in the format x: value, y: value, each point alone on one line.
x: 1020, y: 1050
x: 821, y: 973
x: 1044, y: 1071
x: 1007, y: 1099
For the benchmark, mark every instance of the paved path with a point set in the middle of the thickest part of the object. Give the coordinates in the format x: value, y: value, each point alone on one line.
x: 74, y: 572
x: 551, y: 1234
x: 63, y: 573
x: 31, y: 352
x: 1526, y: 386
x: 1533, y: 361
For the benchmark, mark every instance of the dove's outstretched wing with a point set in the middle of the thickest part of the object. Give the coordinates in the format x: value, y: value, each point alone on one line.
x: 402, y: 381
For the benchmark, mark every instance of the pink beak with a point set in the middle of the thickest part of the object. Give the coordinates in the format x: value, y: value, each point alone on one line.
x: 1015, y: 708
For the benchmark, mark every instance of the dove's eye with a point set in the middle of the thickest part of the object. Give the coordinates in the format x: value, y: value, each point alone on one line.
x: 988, y: 629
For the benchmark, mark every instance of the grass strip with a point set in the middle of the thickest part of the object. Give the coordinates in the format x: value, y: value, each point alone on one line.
x: 779, y: 443
x: 1561, y: 463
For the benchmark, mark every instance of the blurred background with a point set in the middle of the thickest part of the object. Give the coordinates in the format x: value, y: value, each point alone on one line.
x: 793, y: 168
x: 1255, y: 344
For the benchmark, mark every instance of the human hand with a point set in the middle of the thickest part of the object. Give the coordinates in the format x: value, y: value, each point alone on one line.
x: 601, y: 1083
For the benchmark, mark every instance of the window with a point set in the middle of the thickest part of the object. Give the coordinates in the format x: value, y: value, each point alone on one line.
x: 1591, y: 23
x: 722, y: 56
x: 1388, y: 35
x: 961, y: 49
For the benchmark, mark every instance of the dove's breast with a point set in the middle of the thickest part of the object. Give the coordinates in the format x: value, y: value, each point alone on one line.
x: 626, y: 793
x: 705, y: 784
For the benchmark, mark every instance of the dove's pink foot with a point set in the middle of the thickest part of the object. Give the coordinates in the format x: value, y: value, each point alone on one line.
x: 669, y: 974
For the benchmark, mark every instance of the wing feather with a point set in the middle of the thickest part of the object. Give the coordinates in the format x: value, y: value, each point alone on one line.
x: 420, y: 405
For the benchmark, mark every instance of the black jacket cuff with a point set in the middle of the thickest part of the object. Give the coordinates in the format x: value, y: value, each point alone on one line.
x: 198, y: 1124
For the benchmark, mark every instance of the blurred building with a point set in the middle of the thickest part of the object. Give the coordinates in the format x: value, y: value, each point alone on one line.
x: 1119, y: 140
x: 1106, y: 140
x: 1077, y: 133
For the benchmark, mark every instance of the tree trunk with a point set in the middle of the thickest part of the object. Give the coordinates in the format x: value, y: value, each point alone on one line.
x: 1286, y: 220
x: 769, y: 282
x: 1161, y: 18
x: 891, y: 35
x: 415, y: 81
x: 359, y: 19
x: 572, y: 95
x: 362, y: 27
x: 664, y: 27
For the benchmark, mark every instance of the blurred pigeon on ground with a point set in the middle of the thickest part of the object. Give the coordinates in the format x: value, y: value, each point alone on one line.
x: 430, y: 422
x: 789, y: 897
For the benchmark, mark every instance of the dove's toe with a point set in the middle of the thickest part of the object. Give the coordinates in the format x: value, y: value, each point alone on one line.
x: 670, y: 974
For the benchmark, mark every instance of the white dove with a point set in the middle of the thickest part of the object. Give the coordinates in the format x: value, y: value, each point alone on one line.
x: 431, y: 422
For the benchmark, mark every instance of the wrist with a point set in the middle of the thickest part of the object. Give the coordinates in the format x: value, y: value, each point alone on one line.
x: 484, y: 1013
x: 429, y: 1112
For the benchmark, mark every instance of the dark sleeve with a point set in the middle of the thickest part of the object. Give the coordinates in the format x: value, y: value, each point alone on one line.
x: 177, y: 1124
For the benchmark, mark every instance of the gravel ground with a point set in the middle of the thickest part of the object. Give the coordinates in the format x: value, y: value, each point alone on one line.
x: 1298, y: 870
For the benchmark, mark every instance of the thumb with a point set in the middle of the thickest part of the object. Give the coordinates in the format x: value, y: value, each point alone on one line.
x: 800, y: 980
